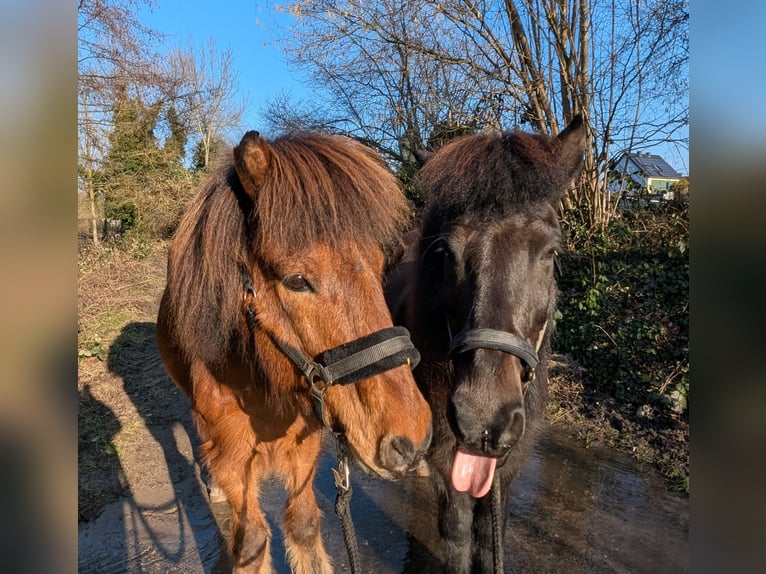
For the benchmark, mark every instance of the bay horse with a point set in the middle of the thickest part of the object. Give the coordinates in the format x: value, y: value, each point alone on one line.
x: 476, y: 288
x: 279, y: 259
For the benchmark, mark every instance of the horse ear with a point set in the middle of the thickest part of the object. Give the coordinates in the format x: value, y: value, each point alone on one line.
x: 573, y: 138
x: 422, y: 156
x: 251, y: 160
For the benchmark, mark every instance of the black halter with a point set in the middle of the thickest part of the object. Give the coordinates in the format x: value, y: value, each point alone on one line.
x: 342, y: 365
x: 352, y: 362
x: 493, y: 339
x: 504, y: 341
x: 347, y: 363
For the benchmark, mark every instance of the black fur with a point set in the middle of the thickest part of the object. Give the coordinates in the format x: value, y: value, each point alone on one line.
x: 484, y: 258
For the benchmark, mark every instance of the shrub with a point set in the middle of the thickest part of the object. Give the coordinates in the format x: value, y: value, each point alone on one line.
x: 126, y: 213
x: 623, y: 310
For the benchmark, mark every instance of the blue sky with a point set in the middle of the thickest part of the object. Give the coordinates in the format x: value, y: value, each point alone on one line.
x: 250, y: 30
x: 247, y: 28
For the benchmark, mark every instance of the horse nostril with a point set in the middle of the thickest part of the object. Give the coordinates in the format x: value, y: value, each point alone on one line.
x: 397, y: 453
x: 515, y: 429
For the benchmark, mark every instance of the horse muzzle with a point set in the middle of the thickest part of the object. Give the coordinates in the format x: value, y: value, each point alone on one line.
x: 399, y: 455
x: 484, y: 420
x: 485, y: 431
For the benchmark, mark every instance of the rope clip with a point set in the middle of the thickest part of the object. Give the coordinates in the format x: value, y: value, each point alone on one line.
x: 342, y: 474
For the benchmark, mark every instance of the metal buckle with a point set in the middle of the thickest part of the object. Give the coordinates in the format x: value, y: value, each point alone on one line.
x: 319, y: 385
x: 342, y: 474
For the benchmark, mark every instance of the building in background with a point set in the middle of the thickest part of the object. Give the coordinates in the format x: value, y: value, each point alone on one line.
x: 647, y: 177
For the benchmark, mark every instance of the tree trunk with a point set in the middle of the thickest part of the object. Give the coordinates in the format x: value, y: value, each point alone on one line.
x: 93, y: 211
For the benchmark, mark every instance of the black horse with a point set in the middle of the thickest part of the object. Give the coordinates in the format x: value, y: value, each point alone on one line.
x: 476, y: 288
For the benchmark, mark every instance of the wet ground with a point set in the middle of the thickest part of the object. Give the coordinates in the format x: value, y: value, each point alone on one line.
x: 572, y: 510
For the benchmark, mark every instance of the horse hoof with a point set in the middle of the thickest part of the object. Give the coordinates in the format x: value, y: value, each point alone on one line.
x: 215, y: 493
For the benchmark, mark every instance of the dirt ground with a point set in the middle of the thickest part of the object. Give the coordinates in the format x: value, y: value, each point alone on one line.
x: 125, y: 395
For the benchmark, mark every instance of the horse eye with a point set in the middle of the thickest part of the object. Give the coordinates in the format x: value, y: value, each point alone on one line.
x: 296, y: 282
x: 527, y: 374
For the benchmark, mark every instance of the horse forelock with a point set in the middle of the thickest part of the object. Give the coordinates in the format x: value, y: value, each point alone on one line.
x: 327, y: 189
x: 493, y: 173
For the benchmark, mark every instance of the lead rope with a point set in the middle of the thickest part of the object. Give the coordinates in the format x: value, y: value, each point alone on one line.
x: 342, y: 503
x: 497, y: 533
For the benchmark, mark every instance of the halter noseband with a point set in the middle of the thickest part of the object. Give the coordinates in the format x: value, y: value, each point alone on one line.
x: 493, y: 339
x: 345, y: 364
x: 352, y: 362
x: 504, y: 341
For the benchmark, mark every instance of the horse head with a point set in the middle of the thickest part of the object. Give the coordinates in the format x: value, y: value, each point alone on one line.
x: 485, y: 292
x: 316, y: 293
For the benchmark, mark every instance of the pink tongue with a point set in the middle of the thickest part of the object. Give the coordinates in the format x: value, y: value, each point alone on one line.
x: 472, y: 474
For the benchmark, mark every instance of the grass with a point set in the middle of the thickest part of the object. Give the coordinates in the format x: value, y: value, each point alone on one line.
x: 117, y: 285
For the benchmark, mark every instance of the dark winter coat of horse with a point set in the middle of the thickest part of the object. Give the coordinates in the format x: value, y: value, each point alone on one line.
x: 476, y: 289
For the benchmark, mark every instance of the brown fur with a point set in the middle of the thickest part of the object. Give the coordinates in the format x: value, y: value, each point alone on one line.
x: 318, y: 189
x: 317, y: 206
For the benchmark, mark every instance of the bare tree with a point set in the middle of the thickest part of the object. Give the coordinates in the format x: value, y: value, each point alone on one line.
x: 137, y: 111
x: 383, y: 84
x: 397, y: 71
x: 208, y: 89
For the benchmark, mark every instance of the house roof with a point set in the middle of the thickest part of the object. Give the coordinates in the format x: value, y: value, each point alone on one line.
x: 653, y: 165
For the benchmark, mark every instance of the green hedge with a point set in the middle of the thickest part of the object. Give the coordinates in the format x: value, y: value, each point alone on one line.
x: 624, y: 306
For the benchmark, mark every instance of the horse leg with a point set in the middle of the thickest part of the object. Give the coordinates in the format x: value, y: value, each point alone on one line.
x: 250, y: 543
x: 455, y: 520
x: 229, y: 451
x: 303, y: 538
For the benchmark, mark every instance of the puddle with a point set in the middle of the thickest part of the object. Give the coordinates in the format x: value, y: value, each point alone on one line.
x: 571, y: 510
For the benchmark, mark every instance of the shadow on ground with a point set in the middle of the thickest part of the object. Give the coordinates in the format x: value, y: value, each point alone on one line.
x: 162, y: 515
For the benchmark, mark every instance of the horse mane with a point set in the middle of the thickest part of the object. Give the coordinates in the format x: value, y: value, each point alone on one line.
x: 319, y: 188
x: 493, y: 174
